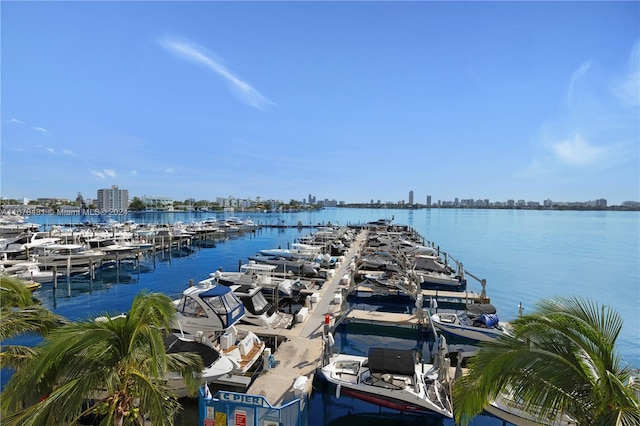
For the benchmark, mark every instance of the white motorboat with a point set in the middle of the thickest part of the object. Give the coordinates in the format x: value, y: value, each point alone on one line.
x: 260, y: 312
x: 26, y: 243
x: 297, y: 251
x: 507, y: 408
x: 214, y: 311
x: 427, y: 262
x: 216, y: 365
x: 30, y: 271
x: 257, y: 274
x: 299, y: 267
x: 61, y: 255
x: 484, y: 327
x: 428, y: 279
x: 391, y: 378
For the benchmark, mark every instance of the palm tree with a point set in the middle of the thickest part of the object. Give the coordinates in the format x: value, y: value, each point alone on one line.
x: 112, y: 368
x: 561, y: 359
x: 21, y: 314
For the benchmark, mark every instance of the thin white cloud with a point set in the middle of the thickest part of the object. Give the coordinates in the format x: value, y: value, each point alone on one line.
x: 40, y: 130
x: 170, y: 170
x: 578, y: 152
x: 15, y: 120
x: 103, y: 174
x: 133, y: 173
x: 575, y: 78
x: 51, y: 151
x: 68, y: 152
x: 97, y: 174
x: 627, y: 88
x: 194, y: 53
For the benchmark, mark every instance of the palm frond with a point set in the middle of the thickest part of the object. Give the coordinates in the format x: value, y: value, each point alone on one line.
x: 562, y: 359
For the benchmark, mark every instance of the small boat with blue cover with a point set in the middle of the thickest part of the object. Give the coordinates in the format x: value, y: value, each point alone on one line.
x: 483, y: 327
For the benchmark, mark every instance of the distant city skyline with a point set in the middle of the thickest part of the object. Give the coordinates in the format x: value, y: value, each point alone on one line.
x: 116, y: 198
x: 350, y: 100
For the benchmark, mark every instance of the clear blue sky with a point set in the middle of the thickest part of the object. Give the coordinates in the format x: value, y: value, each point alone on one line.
x: 350, y: 101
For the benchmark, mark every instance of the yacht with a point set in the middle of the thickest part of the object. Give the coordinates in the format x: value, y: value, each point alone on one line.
x: 214, y: 311
x: 260, y: 312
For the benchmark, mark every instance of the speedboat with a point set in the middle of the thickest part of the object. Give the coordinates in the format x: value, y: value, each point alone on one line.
x: 30, y: 271
x: 484, y: 327
x: 428, y: 279
x: 112, y: 248
x: 51, y: 255
x: 216, y: 365
x: 257, y: 274
x: 27, y: 243
x: 391, y: 378
x: 298, y: 267
x: 508, y: 408
x: 260, y: 312
x: 297, y: 251
x: 214, y: 311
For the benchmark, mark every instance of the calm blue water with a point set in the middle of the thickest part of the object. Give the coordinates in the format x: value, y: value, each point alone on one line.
x: 525, y: 256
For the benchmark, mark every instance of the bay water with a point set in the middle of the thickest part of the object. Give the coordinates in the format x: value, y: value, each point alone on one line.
x: 524, y: 256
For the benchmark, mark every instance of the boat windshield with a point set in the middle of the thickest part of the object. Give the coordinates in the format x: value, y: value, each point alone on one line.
x: 190, y: 307
x: 464, y: 319
x: 259, y: 302
x: 222, y: 304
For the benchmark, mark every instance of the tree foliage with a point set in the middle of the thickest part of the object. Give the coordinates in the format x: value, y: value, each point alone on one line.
x: 136, y: 204
x: 561, y: 359
x: 112, y: 367
x: 21, y: 314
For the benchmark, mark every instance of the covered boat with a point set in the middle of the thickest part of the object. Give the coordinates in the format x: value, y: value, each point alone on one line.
x: 484, y: 327
x: 214, y: 311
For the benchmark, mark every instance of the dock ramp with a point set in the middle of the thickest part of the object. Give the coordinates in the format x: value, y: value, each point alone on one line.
x: 241, y: 409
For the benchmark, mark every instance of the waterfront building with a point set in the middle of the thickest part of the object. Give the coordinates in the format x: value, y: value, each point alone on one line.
x: 157, y: 203
x: 113, y: 199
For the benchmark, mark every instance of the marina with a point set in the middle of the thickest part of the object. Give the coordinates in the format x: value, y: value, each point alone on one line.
x: 293, y: 356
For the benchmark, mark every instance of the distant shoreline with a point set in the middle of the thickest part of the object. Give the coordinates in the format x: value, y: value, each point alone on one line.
x: 46, y: 211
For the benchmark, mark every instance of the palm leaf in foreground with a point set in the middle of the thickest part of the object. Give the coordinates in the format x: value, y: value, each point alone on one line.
x: 20, y: 314
x: 560, y: 360
x: 113, y: 368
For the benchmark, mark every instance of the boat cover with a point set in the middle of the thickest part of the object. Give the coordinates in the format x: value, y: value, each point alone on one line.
x: 216, y: 291
x: 488, y: 320
x: 174, y: 345
x: 392, y: 361
x: 481, y: 308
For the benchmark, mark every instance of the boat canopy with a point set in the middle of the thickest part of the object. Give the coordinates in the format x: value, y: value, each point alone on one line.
x: 216, y: 291
x: 220, y: 299
x: 392, y: 361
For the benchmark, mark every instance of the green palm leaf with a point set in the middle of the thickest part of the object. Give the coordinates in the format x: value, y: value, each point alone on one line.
x: 114, y: 367
x: 562, y: 359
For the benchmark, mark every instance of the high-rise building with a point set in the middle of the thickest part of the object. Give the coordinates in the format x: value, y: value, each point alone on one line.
x: 428, y: 200
x: 113, y: 200
x: 410, y: 197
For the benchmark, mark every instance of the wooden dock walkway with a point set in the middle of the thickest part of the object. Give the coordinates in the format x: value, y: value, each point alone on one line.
x: 301, y: 353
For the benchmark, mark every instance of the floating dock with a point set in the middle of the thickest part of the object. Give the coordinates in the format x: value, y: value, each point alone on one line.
x: 301, y: 353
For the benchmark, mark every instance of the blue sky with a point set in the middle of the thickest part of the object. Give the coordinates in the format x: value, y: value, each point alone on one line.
x: 350, y: 101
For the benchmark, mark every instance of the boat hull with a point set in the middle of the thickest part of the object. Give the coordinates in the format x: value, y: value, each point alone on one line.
x: 384, y: 401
